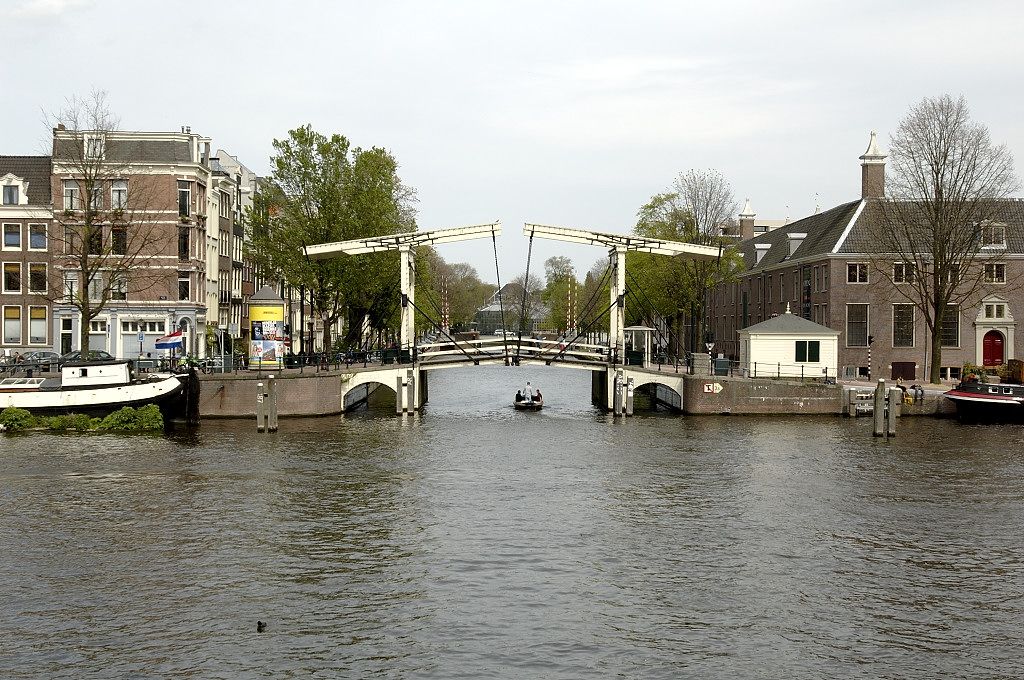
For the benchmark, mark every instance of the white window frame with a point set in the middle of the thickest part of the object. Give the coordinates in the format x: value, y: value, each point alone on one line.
x: 903, y: 269
x: 46, y: 325
x: 993, y: 242
x: 990, y: 275
x: 17, y: 194
x: 959, y: 328
x: 3, y: 236
x: 867, y: 326
x: 72, y: 194
x: 98, y: 326
x: 858, y: 265
x: 94, y: 146
x: 913, y: 325
x: 46, y: 274
x: 97, y: 282
x: 3, y: 326
x: 118, y: 286
x: 119, y: 194
x: 46, y: 237
x: 75, y: 280
x: 995, y: 310
x: 21, y: 278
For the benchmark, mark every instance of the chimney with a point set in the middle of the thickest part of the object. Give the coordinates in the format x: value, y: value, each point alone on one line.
x: 794, y: 242
x: 872, y: 171
x: 747, y: 222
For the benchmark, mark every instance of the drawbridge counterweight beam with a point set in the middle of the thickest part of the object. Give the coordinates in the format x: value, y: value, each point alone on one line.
x: 404, y: 243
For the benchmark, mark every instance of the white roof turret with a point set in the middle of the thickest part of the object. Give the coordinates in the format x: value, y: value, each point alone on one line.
x: 873, y: 154
x: 748, y: 210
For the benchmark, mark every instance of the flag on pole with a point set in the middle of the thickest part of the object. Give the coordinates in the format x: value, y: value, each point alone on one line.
x: 172, y: 341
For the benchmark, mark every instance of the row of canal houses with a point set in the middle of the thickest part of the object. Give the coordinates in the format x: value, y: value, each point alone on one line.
x: 826, y: 268
x: 163, y: 200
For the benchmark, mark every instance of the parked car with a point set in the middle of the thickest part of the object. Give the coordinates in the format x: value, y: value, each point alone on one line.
x: 45, y: 361
x: 88, y: 355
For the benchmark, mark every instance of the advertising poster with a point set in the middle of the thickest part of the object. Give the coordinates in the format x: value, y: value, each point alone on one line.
x: 266, y: 341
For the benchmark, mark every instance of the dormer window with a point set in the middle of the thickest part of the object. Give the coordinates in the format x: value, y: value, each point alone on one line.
x: 94, y: 146
x: 11, y: 195
x: 760, y: 249
x: 993, y: 235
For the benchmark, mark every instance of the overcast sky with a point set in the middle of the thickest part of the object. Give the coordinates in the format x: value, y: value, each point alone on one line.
x: 565, y: 113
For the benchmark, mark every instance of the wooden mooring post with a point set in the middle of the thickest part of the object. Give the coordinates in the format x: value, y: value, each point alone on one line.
x: 888, y: 403
x: 266, y: 405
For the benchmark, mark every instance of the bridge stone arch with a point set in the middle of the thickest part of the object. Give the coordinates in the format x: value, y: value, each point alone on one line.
x: 672, y: 381
x: 405, y: 382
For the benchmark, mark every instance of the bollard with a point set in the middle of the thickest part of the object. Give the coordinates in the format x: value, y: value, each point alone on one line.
x: 879, y: 412
x: 399, y: 396
x: 617, y: 395
x: 271, y: 404
x: 261, y: 407
x: 893, y: 412
x: 629, y: 397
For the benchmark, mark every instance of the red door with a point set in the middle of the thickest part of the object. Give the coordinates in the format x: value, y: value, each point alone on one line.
x: 992, y: 348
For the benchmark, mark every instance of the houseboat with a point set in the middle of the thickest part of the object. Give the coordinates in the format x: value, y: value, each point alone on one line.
x: 96, y: 388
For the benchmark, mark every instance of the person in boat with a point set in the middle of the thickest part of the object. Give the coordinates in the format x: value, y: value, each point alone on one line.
x: 519, y: 396
x: 528, y: 392
x: 538, y: 396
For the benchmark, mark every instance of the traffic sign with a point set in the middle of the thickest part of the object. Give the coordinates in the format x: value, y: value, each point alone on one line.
x: 142, y: 336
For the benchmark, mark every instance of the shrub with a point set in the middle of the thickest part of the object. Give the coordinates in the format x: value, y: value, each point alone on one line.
x: 15, y: 419
x: 129, y: 419
x: 73, y: 421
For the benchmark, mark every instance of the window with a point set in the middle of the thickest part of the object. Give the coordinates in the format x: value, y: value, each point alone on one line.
x: 902, y: 325
x: 949, y: 373
x: 96, y: 287
x: 144, y: 326
x: 808, y: 351
x: 70, y: 285
x: 98, y: 326
x: 903, y: 272
x: 37, y: 325
x: 857, y: 325
x: 119, y: 194
x: 37, y: 277
x: 94, y: 146
x: 72, y: 196
x: 995, y: 272
x: 993, y: 235
x: 951, y: 326
x: 12, y: 277
x: 95, y: 233
x: 37, y: 237
x: 119, y: 239
x: 995, y: 310
x: 118, y: 289
x: 12, y: 237
x: 824, y: 278
x: 183, y: 243
x: 184, y: 198
x: 857, y: 272
x: 225, y: 204
x: 95, y: 199
x: 12, y: 325
x: 768, y: 289
x: 10, y: 195
x: 183, y: 286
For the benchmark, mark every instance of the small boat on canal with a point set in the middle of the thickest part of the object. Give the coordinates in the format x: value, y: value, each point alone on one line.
x: 528, y: 399
x: 95, y: 388
x: 987, y: 402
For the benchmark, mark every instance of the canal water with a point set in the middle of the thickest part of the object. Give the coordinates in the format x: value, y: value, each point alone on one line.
x: 474, y: 541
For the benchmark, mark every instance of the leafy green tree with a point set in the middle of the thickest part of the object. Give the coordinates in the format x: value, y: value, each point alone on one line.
x: 321, y: 190
x: 694, y: 210
x: 560, y: 279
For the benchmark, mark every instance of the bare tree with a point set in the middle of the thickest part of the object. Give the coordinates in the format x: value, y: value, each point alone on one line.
x: 939, y: 233
x: 107, y: 234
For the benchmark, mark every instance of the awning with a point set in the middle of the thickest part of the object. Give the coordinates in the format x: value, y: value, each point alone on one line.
x: 172, y: 341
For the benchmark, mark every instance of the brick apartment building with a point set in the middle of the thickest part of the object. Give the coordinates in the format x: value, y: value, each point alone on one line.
x: 25, y: 222
x: 825, y: 267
